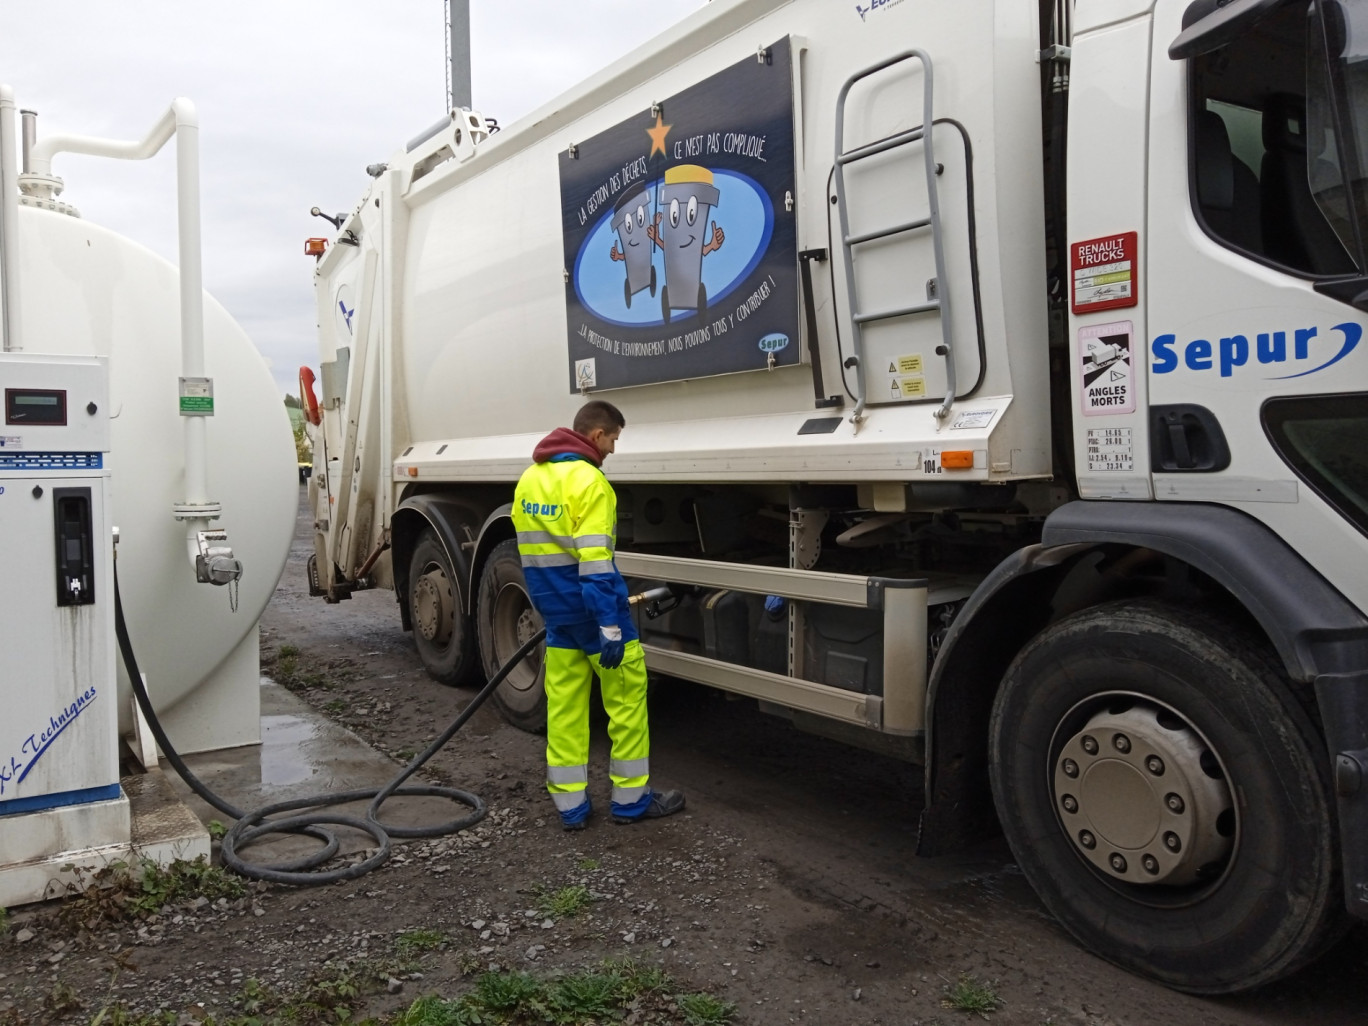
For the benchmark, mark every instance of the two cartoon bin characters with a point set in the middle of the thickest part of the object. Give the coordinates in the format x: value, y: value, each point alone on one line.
x: 686, y: 198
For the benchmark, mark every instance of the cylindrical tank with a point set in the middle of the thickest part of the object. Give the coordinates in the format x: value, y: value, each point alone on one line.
x: 87, y: 290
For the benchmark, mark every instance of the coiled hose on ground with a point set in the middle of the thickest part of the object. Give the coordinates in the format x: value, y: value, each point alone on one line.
x: 252, y: 825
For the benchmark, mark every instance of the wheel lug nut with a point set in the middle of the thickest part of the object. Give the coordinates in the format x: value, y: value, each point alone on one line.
x: 1155, y: 765
x: 1069, y: 767
x: 1151, y: 865
x: 1089, y: 744
x: 1118, y: 862
x: 1122, y: 743
x: 1086, y: 839
x: 1174, y: 803
x: 1069, y: 802
x: 1171, y: 842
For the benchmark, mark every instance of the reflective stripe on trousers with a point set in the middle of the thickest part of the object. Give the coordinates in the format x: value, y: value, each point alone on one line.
x: 569, y: 675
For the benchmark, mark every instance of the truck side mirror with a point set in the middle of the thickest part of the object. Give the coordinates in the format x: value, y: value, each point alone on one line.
x: 1211, y: 24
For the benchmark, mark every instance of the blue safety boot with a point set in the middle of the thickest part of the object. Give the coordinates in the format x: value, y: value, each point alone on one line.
x: 578, y: 817
x: 653, y: 805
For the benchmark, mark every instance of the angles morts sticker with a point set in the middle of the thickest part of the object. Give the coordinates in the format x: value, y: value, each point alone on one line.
x: 680, y: 240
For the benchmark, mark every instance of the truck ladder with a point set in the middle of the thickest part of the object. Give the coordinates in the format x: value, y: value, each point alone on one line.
x: 938, y: 299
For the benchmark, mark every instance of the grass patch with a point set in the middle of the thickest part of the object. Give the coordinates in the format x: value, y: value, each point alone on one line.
x: 61, y: 998
x: 4, y: 920
x: 120, y: 892
x: 335, y: 708
x: 119, y: 1015
x: 705, y: 1010
x: 287, y: 652
x: 605, y: 994
x: 564, y: 903
x: 415, y: 942
x: 588, y: 865
x: 968, y: 994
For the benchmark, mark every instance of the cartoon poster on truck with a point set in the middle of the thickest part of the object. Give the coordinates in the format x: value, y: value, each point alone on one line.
x: 680, y: 240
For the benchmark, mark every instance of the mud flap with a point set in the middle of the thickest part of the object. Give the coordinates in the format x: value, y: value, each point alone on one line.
x: 1343, y: 700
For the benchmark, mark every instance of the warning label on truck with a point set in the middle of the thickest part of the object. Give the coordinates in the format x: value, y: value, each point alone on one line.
x: 1107, y: 375
x: 1104, y: 273
x: 680, y: 237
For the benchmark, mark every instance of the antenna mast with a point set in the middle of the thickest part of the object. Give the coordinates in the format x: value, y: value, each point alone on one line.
x: 457, y: 54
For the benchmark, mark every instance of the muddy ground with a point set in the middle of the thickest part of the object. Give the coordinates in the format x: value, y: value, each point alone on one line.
x: 788, y: 887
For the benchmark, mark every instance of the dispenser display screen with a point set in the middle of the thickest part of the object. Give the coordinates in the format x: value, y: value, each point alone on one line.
x: 35, y: 406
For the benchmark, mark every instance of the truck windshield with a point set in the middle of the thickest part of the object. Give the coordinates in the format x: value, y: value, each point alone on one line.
x: 1337, y: 117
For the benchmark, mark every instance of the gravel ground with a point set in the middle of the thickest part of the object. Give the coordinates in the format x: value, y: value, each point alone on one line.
x: 788, y: 886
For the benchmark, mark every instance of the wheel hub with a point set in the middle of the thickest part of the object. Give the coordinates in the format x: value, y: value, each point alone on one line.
x: 1142, y: 797
x: 432, y: 607
x: 515, y: 623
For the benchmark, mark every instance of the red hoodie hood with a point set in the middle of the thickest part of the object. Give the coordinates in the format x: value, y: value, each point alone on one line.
x: 564, y: 440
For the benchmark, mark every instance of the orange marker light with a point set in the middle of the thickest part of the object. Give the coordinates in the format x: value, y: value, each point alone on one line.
x: 958, y: 459
x: 315, y: 247
x: 413, y: 471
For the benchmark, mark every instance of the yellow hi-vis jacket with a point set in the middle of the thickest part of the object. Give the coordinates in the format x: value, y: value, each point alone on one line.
x: 565, y: 513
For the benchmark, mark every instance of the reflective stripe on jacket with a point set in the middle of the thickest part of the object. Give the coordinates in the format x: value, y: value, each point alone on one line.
x: 565, y: 513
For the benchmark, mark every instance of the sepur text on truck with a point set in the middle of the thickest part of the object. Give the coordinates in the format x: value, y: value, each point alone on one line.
x: 996, y: 387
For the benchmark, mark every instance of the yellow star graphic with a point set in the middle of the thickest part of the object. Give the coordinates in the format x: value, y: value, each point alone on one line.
x: 657, y: 135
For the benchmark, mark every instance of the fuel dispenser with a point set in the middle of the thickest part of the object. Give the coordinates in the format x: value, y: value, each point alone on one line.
x: 60, y: 799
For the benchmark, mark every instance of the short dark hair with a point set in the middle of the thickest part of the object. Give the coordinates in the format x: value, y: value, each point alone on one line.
x: 597, y: 413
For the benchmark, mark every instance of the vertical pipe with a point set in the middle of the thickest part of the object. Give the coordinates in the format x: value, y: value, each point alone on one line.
x: 9, y: 226
x: 459, y: 59
x: 30, y: 136
x: 191, y: 291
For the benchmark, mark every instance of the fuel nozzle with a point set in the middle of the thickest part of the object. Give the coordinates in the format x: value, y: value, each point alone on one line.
x: 655, y: 600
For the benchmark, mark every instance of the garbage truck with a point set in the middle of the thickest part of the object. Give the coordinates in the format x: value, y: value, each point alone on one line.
x: 995, y: 399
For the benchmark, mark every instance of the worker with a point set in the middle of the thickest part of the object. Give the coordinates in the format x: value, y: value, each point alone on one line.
x: 565, y: 512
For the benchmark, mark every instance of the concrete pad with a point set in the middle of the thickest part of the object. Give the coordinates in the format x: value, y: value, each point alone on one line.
x: 302, y: 754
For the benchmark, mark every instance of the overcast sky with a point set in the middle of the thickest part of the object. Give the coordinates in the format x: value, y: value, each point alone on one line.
x: 295, y: 98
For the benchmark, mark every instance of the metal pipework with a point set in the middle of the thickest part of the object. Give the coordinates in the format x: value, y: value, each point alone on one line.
x: 9, y: 227
x: 182, y: 121
x: 30, y: 129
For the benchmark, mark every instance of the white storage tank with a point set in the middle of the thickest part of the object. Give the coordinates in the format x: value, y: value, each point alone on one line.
x: 88, y: 291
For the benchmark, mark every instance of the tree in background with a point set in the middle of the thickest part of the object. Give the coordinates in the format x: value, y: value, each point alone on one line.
x: 303, y: 450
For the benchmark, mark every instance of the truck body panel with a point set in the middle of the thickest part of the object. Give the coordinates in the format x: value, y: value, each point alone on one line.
x: 1003, y: 398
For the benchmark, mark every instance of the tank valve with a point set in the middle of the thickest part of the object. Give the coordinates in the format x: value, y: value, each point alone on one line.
x: 215, y: 563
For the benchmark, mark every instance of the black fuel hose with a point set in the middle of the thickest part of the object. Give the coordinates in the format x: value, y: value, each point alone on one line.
x: 252, y: 825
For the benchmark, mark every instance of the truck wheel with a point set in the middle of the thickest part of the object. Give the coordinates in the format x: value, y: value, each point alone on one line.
x: 1167, y: 797
x: 506, y: 620
x: 441, y: 632
x: 665, y: 303
x: 653, y: 280
x: 627, y: 293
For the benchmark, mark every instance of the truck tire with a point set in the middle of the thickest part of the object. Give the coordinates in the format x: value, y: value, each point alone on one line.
x: 442, y: 633
x: 506, y: 620
x: 1167, y: 796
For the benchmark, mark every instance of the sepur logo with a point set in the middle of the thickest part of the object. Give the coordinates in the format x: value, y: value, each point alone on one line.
x: 542, y: 510
x: 773, y: 343
x: 1277, y: 350
x: 866, y: 9
x: 345, y: 309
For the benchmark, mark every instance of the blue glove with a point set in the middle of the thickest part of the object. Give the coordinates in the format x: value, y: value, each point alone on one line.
x: 610, y: 647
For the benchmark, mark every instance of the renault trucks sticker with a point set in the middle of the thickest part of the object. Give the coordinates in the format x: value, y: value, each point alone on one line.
x: 1107, y: 380
x: 1105, y: 273
x: 1289, y: 354
x: 680, y: 240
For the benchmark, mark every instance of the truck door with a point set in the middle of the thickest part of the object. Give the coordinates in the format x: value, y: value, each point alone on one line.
x: 1254, y: 252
